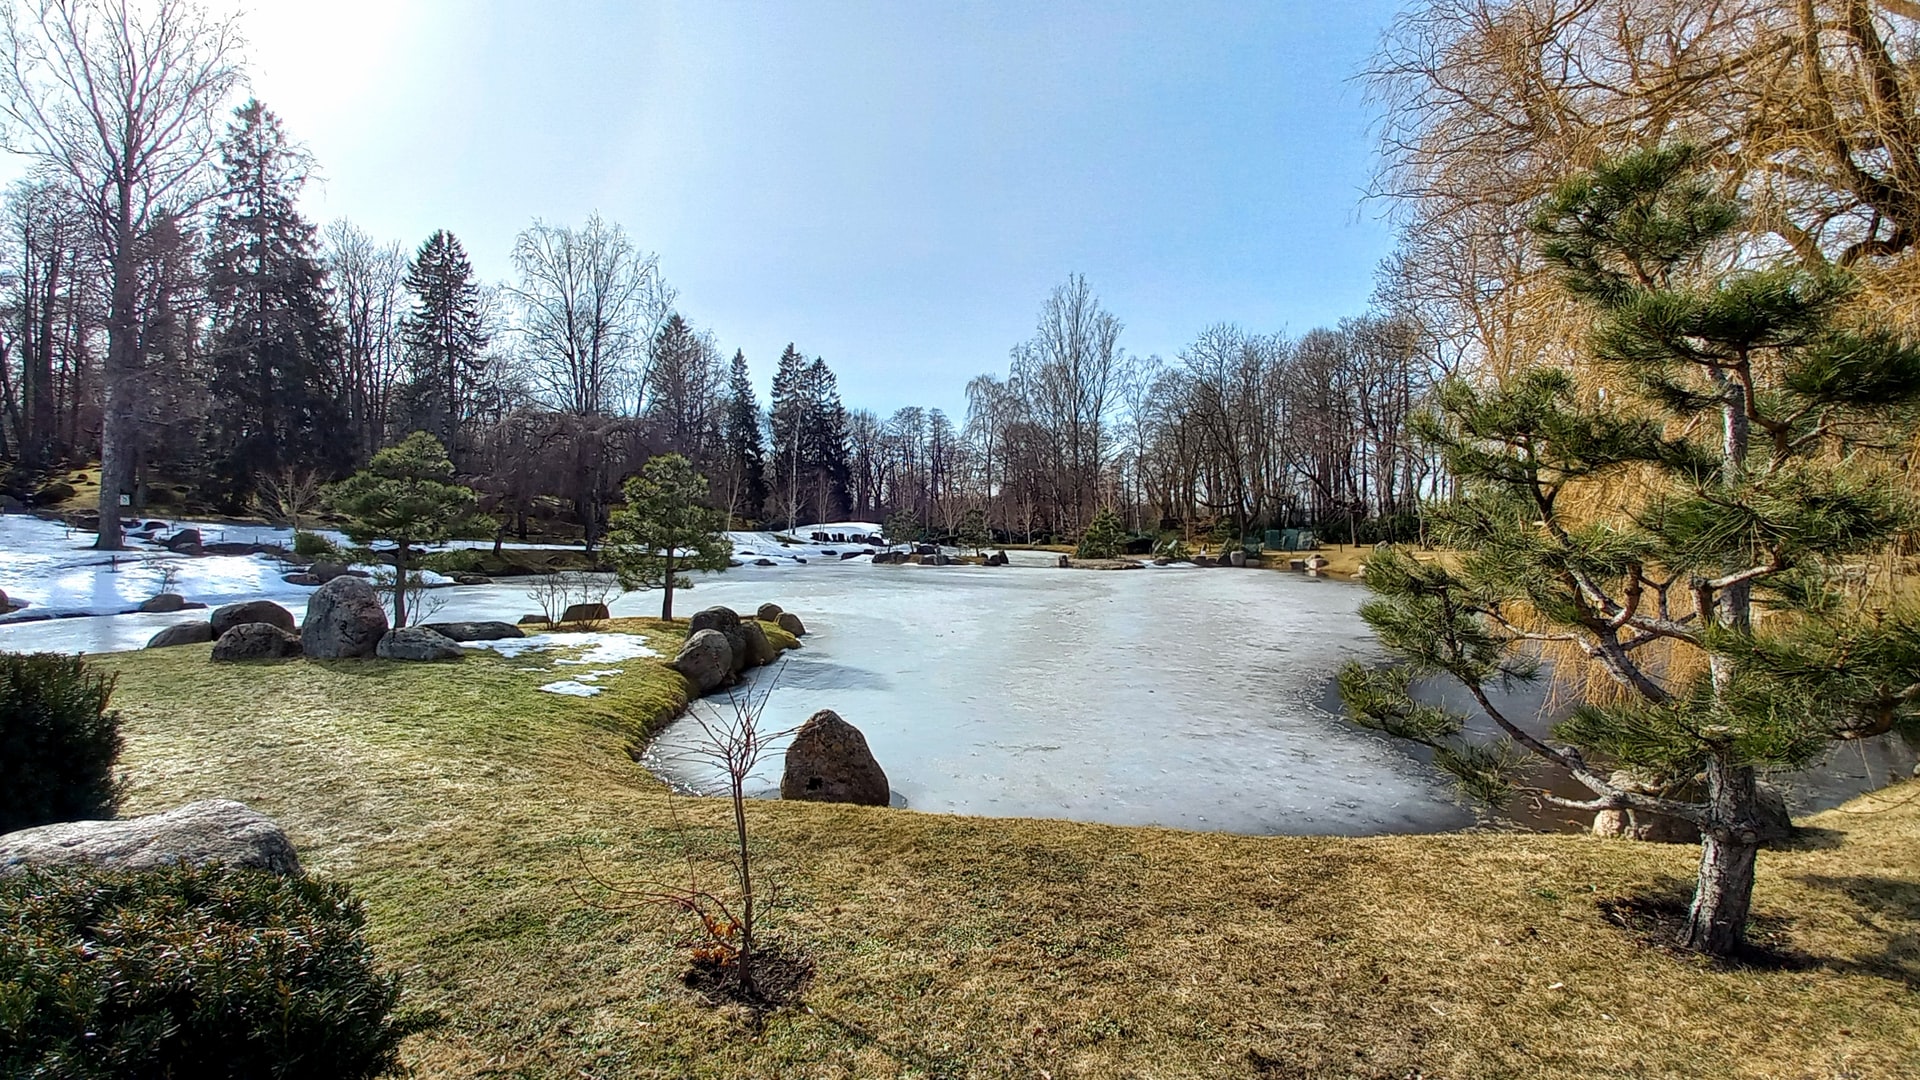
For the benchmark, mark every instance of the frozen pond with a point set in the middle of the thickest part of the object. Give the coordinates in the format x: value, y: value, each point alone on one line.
x: 1181, y: 697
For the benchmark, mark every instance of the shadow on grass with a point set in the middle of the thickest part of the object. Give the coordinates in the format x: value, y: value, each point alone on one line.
x: 1657, y: 915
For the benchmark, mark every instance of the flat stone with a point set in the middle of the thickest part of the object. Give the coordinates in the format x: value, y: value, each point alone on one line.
x: 212, y: 830
x: 416, y: 643
x: 193, y: 633
x: 478, y: 631
x: 164, y: 602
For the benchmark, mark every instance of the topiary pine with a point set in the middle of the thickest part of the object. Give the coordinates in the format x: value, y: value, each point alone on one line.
x: 406, y: 495
x: 666, y: 528
x: 1720, y: 500
x: 1104, y: 537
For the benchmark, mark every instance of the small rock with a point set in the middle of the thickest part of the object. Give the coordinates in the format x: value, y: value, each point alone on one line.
x: 585, y: 613
x: 763, y: 562
x: 326, y: 571
x: 845, y: 555
x: 1065, y: 563
x: 828, y: 761
x: 791, y: 623
x: 344, y: 619
x: 192, y: 633
x: 416, y: 643
x: 533, y: 620
x: 998, y: 558
x: 768, y: 612
x: 166, y: 601
x: 227, y: 616
x: 706, y: 660
x: 210, y: 831
x: 255, y: 641
x: 477, y: 631
x: 472, y: 579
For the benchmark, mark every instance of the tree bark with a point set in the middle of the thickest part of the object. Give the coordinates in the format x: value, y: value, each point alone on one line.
x: 1717, y: 923
x: 666, y: 601
x: 118, y: 422
x: 400, y: 586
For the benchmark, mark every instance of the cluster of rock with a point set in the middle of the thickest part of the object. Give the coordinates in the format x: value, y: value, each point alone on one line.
x: 211, y: 831
x: 345, y: 620
x: 721, y: 645
x: 1236, y: 557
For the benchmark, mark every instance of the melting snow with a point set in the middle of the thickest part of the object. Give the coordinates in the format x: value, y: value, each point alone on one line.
x: 570, y: 688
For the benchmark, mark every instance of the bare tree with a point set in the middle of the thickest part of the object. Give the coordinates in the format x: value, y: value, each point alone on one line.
x: 590, y: 305
x: 370, y: 299
x: 123, y: 102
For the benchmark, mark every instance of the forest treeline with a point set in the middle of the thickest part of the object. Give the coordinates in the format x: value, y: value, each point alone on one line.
x: 191, y: 327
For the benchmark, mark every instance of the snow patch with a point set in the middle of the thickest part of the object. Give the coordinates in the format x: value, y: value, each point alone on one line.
x: 570, y: 688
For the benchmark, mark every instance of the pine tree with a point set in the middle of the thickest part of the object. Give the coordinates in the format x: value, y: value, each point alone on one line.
x: 745, y: 448
x: 823, y: 451
x: 666, y: 528
x: 445, y: 333
x: 406, y: 495
x: 273, y: 346
x: 1695, y: 537
x: 1103, y: 538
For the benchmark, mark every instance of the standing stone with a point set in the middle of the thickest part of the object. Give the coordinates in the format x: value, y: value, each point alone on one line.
x: 791, y: 623
x: 1065, y: 563
x: 210, y: 831
x: 193, y: 633
x: 706, y: 660
x: 829, y: 762
x: 227, y: 616
x: 344, y: 619
x: 256, y: 641
x: 768, y: 612
x: 184, y: 542
x: 1238, y: 557
x: 416, y: 643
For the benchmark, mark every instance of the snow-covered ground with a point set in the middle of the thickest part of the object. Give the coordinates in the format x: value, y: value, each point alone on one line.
x: 832, y: 542
x: 586, y: 650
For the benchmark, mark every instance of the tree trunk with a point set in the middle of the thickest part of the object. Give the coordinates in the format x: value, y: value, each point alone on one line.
x: 400, y: 586
x: 666, y: 600
x: 1717, y: 924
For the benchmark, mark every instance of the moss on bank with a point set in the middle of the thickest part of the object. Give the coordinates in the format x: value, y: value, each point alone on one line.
x: 483, y: 820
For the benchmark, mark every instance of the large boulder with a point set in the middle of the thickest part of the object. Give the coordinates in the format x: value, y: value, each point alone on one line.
x: 828, y: 761
x: 227, y: 616
x: 416, y: 643
x: 791, y: 623
x: 214, y: 830
x: 475, y: 631
x: 184, y: 542
x: 706, y: 660
x: 256, y: 641
x: 1237, y: 557
x: 752, y: 645
x: 327, y: 570
x: 165, y: 602
x: 722, y: 619
x: 998, y: 558
x: 344, y: 619
x: 585, y: 613
x: 768, y: 612
x: 192, y: 633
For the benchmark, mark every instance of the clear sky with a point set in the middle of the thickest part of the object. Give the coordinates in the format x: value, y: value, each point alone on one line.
x: 893, y: 186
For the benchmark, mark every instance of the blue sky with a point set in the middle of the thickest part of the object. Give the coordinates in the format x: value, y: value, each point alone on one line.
x: 893, y: 186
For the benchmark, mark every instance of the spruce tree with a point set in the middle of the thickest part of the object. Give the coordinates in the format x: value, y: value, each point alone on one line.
x: 745, y: 447
x: 1698, y: 537
x: 823, y: 452
x: 665, y: 529
x: 787, y: 419
x: 445, y: 334
x: 273, y: 345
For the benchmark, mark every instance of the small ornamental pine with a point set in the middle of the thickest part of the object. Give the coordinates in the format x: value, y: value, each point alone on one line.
x: 973, y: 530
x: 1104, y: 537
x: 405, y: 496
x: 666, y: 528
x: 1694, y: 538
x: 904, y: 527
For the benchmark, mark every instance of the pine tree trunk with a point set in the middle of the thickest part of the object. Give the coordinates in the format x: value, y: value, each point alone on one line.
x: 400, y: 586
x: 666, y: 601
x: 1717, y: 924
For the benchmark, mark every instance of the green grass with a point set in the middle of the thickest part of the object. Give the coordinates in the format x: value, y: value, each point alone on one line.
x: 488, y: 826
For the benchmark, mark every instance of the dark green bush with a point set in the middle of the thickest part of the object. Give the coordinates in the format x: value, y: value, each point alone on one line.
x: 190, y: 972
x: 1104, y: 537
x: 58, y: 742
x: 313, y: 545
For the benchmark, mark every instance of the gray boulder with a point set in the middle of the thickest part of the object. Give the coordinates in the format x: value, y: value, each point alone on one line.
x: 326, y: 570
x: 472, y: 579
x: 416, y: 643
x: 300, y: 579
x: 256, y: 641
x: 722, y: 619
x: 1237, y: 557
x: 344, y: 619
x: 768, y: 612
x: 166, y: 601
x: 998, y: 558
x: 184, y: 542
x: 6, y: 605
x: 585, y: 613
x: 751, y: 645
x: 475, y: 631
x: 828, y: 761
x: 791, y: 623
x: 192, y: 633
x: 211, y: 831
x: 706, y: 660
x: 763, y: 562
x: 227, y: 616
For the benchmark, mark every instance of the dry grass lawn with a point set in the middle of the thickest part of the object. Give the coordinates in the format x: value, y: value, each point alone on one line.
x: 483, y: 821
